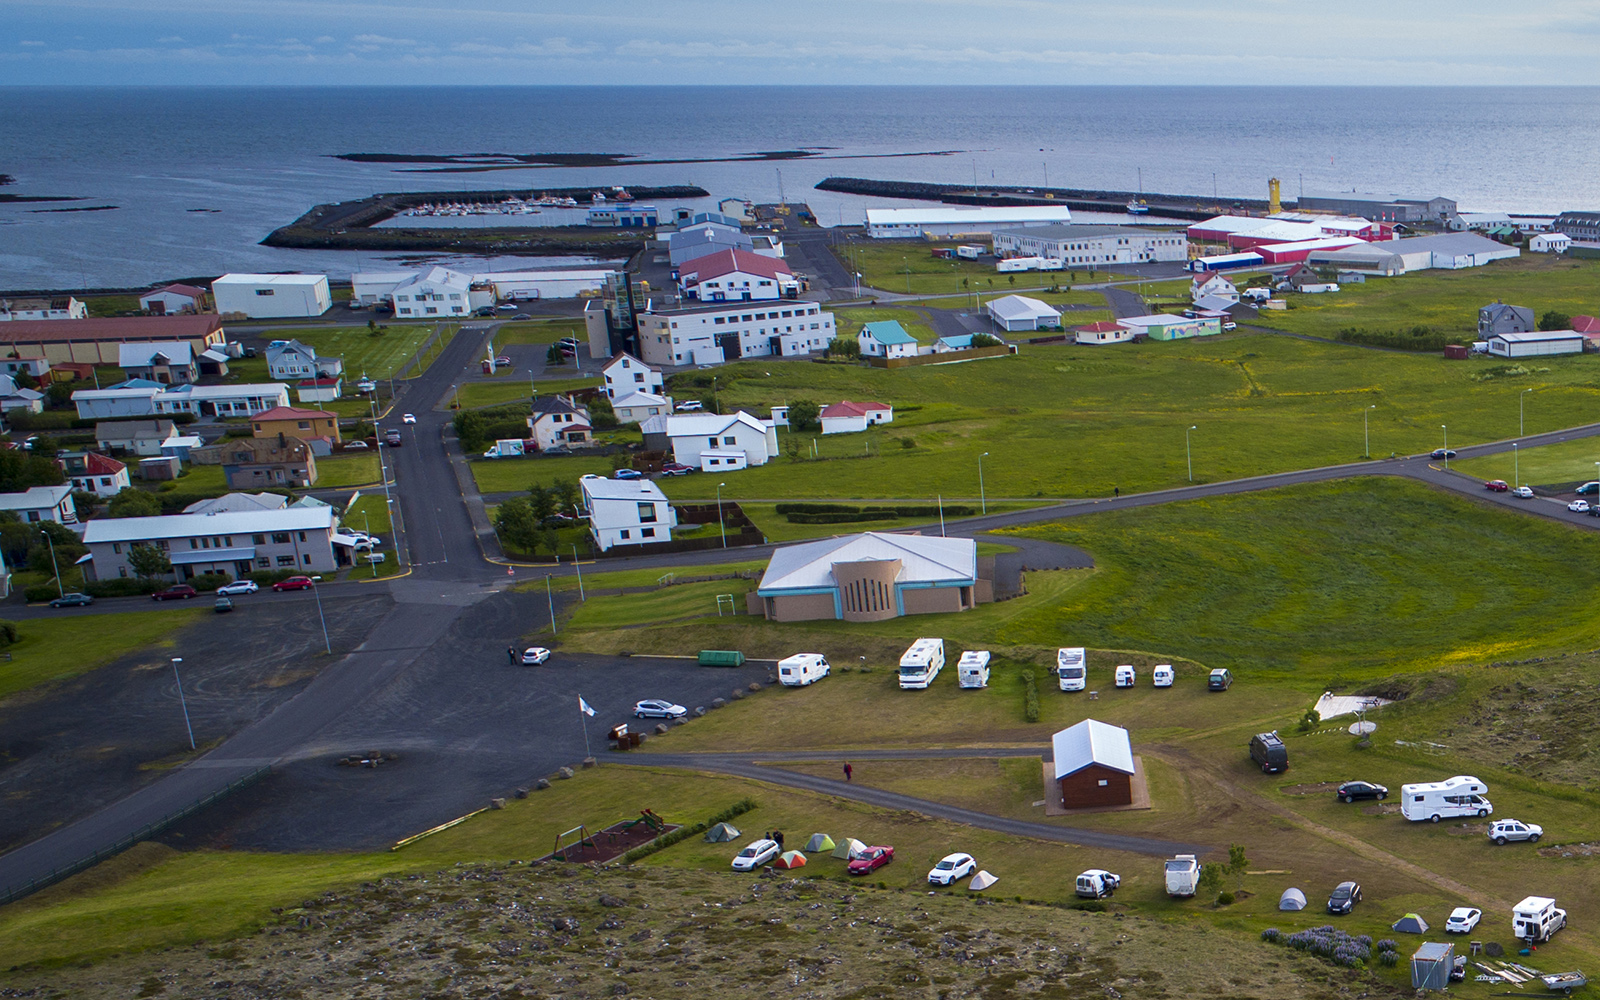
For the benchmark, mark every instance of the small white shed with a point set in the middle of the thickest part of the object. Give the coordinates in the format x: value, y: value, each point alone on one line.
x: 1529, y: 345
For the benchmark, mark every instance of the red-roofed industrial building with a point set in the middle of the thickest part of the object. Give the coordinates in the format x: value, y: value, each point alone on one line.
x: 737, y: 276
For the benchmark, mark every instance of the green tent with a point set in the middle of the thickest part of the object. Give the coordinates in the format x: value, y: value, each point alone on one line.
x: 1411, y: 923
x: 819, y: 842
x: 847, y: 848
x: 722, y: 833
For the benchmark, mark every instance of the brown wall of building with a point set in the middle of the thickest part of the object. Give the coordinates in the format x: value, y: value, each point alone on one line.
x: 866, y: 589
x: 1082, y: 789
x: 800, y: 607
x: 932, y: 600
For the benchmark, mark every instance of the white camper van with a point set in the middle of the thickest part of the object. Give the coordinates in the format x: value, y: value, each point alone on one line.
x: 972, y: 670
x: 1125, y: 676
x: 1183, y: 875
x: 921, y: 664
x: 1161, y: 675
x: 1462, y: 795
x: 802, y: 669
x: 1072, y: 668
x: 1536, y: 918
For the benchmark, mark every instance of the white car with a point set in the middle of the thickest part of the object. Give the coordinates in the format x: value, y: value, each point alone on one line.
x: 534, y: 655
x: 757, y: 854
x: 1523, y: 492
x: 1462, y: 920
x: 688, y: 406
x: 1503, y: 830
x: 952, y: 867
x: 409, y: 418
x: 1579, y: 506
x: 658, y: 709
x: 238, y: 587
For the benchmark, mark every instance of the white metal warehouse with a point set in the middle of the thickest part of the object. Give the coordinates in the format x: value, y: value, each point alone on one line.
x: 1014, y: 313
x: 271, y: 296
x: 1527, y: 345
x: 920, y: 223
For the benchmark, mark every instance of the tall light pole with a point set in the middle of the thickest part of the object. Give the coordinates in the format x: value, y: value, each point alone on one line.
x: 1516, y: 466
x: 175, y: 661
x: 316, y: 592
x: 1364, y: 432
x: 983, y: 498
x: 53, y: 563
x: 579, y: 567
x: 551, y: 600
x: 721, y: 523
x: 1522, y: 397
x: 1188, y: 453
x: 366, y: 522
x: 1446, y: 429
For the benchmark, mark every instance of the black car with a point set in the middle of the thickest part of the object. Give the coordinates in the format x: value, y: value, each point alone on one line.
x: 1442, y: 453
x: 72, y: 601
x: 1352, y: 790
x: 1345, y: 897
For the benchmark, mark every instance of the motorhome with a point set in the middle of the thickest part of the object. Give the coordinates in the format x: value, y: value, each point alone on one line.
x: 1536, y: 918
x: 1125, y: 676
x: 921, y: 664
x: 802, y: 669
x: 1162, y: 676
x: 972, y: 670
x: 1183, y: 875
x: 1462, y: 795
x: 1072, y: 672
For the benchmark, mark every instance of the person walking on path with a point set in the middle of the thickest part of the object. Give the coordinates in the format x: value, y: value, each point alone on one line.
x: 511, y: 656
x: 848, y: 770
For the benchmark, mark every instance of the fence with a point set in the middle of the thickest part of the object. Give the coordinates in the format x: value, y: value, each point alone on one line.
x: 13, y: 893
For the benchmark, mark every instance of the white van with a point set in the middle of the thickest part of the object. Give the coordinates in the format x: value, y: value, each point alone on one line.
x: 1462, y: 795
x: 1162, y: 676
x: 921, y: 664
x: 1072, y: 668
x: 972, y: 670
x: 802, y: 669
x: 1126, y: 676
x: 1536, y: 918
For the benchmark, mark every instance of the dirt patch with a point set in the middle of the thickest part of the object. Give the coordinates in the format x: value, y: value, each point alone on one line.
x: 1418, y: 687
x: 1467, y: 829
x: 1380, y: 809
x: 1319, y: 788
x: 612, y: 842
x: 1588, y: 850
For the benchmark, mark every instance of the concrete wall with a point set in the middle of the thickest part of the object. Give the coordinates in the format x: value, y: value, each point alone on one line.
x: 800, y: 607
x: 932, y: 600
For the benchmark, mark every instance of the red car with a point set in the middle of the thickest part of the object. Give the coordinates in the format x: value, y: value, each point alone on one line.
x: 180, y: 592
x: 676, y: 469
x: 1496, y: 486
x: 294, y: 583
x: 871, y: 860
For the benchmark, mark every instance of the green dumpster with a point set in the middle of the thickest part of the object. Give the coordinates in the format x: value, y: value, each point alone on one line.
x: 721, y: 658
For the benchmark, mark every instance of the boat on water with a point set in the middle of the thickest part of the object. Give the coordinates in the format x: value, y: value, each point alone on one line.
x: 1136, y: 207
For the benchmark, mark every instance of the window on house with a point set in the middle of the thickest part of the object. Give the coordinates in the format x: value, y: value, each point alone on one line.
x: 264, y: 563
x: 264, y: 291
x: 306, y: 558
x: 286, y: 560
x: 302, y: 536
x: 647, y: 512
x: 623, y: 533
x: 280, y: 538
x: 730, y: 439
x: 648, y: 533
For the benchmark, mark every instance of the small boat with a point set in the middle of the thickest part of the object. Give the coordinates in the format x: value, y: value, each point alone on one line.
x: 1136, y: 207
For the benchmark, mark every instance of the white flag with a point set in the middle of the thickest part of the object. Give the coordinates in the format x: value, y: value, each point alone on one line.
x: 583, y: 706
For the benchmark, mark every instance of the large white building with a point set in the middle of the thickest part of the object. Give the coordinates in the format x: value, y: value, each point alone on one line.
x: 1528, y: 345
x: 271, y: 296
x: 1018, y: 313
x: 432, y: 294
x: 236, y: 543
x: 104, y: 404
x: 947, y: 221
x: 221, y: 400
x: 373, y: 287
x: 58, y: 307
x: 1447, y: 251
x: 627, y: 512
x: 712, y: 334
x: 1089, y: 245
x: 737, y: 276
x: 715, y: 442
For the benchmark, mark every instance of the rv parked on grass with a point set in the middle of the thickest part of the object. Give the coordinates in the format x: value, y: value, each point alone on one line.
x: 802, y: 669
x: 1536, y: 918
x: 1183, y: 875
x: 972, y: 670
x: 1462, y: 795
x: 921, y: 664
x: 1072, y: 668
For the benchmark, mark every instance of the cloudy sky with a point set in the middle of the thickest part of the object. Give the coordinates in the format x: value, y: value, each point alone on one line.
x: 1189, y: 42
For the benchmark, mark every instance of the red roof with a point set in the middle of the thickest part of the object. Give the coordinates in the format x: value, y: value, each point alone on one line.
x: 1587, y: 325
x: 289, y: 413
x: 95, y: 464
x: 845, y: 408
x: 125, y: 329
x: 715, y: 265
x: 1104, y: 326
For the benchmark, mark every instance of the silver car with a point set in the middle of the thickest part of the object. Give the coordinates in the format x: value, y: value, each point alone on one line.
x: 1502, y: 831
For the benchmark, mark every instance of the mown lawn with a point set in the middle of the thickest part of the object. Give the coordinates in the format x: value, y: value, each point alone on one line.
x: 1551, y: 464
x: 538, y: 331
x: 347, y: 470
x: 52, y: 649
x: 475, y: 394
x: 848, y: 322
x: 883, y: 265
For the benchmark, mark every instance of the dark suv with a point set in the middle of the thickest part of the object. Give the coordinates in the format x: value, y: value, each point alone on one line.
x: 1219, y: 680
x: 1267, y: 750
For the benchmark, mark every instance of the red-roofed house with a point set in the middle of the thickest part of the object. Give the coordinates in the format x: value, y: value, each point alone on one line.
x: 1589, y: 326
x: 94, y: 473
x: 1104, y: 332
x: 737, y: 276
x: 173, y: 299
x: 845, y: 417
x: 319, y: 390
x: 295, y: 422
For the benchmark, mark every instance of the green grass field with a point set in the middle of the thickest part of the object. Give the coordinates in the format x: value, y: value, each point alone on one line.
x: 1446, y: 300
x: 516, y: 390
x: 50, y: 650
x: 363, y: 354
x: 850, y: 321
x: 546, y: 331
x: 1067, y: 421
x: 347, y: 470
x: 1551, y: 464
x: 883, y: 265
x: 507, y: 475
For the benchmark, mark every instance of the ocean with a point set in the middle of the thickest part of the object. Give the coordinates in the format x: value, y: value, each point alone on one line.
x: 198, y: 176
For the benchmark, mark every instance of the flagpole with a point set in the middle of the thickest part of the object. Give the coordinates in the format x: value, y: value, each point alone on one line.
x: 584, y: 711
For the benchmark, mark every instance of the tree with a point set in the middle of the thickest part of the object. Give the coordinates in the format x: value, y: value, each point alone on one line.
x: 844, y: 347
x: 1238, y: 864
x: 84, y: 502
x: 59, y: 394
x: 130, y: 502
x: 469, y: 430
x: 601, y: 414
x: 1013, y: 279
x: 518, y: 526
x: 1210, y: 879
x: 26, y: 381
x: 1553, y: 320
x: 804, y: 415
x: 542, y: 501
x: 552, y: 541
x: 985, y: 340
x: 566, y: 492
x: 68, y: 548
x: 148, y: 561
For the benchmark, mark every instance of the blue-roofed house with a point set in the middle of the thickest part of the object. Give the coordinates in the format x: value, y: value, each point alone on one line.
x: 886, y: 339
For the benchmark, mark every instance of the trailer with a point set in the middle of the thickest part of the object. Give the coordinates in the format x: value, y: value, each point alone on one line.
x: 1566, y: 982
x: 1011, y: 264
x: 970, y: 251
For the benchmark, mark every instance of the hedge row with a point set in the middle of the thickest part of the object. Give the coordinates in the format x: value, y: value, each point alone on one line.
x: 898, y: 510
x: 1418, y: 338
x: 838, y: 518
x: 1030, y: 695
x: 685, y: 832
x: 132, y: 586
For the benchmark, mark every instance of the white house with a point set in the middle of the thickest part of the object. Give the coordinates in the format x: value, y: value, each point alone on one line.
x: 291, y: 361
x: 957, y: 220
x: 90, y: 472
x: 1012, y: 313
x: 846, y: 417
x: 1549, y: 243
x: 436, y: 292
x: 1527, y: 345
x: 1103, y: 332
x: 368, y: 288
x: 164, y: 362
x: 1480, y: 220
x: 886, y: 339
x: 138, y: 437
x: 173, y: 299
x: 626, y: 375
x: 271, y: 296
x: 222, y: 400
x: 59, y: 307
x: 713, y: 441
x: 1079, y: 246
x: 42, y: 503
x: 638, y: 407
x: 558, y: 422
x: 1210, y: 283
x: 712, y: 334
x: 627, y: 512
x: 737, y: 276
x: 234, y: 543
x: 129, y: 401
x: 691, y: 243
x: 319, y: 390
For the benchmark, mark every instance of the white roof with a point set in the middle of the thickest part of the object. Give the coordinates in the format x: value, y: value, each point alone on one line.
x: 135, y: 529
x: 1481, y: 217
x: 1158, y: 319
x: 34, y: 498
x: 622, y: 489
x: 948, y: 215
x: 923, y: 559
x: 639, y: 399
x: 708, y: 424
x: 1232, y: 224
x: 1214, y: 303
x: 380, y: 277
x: 130, y: 393
x: 625, y: 360
x: 1090, y: 742
x: 440, y: 277
x: 238, y: 502
x: 1014, y: 307
x: 192, y: 391
x: 1320, y: 243
x: 270, y: 279
x: 582, y: 274
x: 654, y: 425
x: 1534, y: 338
x: 178, y: 352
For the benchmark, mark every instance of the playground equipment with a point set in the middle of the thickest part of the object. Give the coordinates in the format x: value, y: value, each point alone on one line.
x: 577, y: 840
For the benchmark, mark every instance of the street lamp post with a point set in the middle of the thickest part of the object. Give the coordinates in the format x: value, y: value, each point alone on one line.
x: 1446, y: 429
x: 186, y: 724
x: 53, y: 563
x: 366, y: 522
x: 983, y: 498
x: 721, y: 522
x: 1188, y: 453
x: 1365, y: 434
x: 1522, y: 397
x: 316, y: 592
x: 1516, y: 466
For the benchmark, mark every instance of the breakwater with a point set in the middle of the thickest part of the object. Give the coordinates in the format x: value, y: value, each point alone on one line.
x: 1169, y: 205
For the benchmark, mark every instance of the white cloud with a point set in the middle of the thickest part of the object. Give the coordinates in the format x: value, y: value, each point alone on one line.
x: 170, y: 39
x: 30, y: 42
x: 383, y: 40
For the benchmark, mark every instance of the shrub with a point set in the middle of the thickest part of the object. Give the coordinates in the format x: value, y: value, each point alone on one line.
x: 1388, y: 959
x: 1271, y: 934
x: 838, y: 518
x: 1030, y: 695
x: 1088, y: 905
x: 685, y: 832
x: 207, y: 582
x: 1418, y: 338
x: 268, y: 577
x: 40, y: 592
x: 128, y: 587
x: 1225, y: 898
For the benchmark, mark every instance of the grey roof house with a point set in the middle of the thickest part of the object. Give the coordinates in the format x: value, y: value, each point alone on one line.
x: 290, y: 359
x: 1498, y: 317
